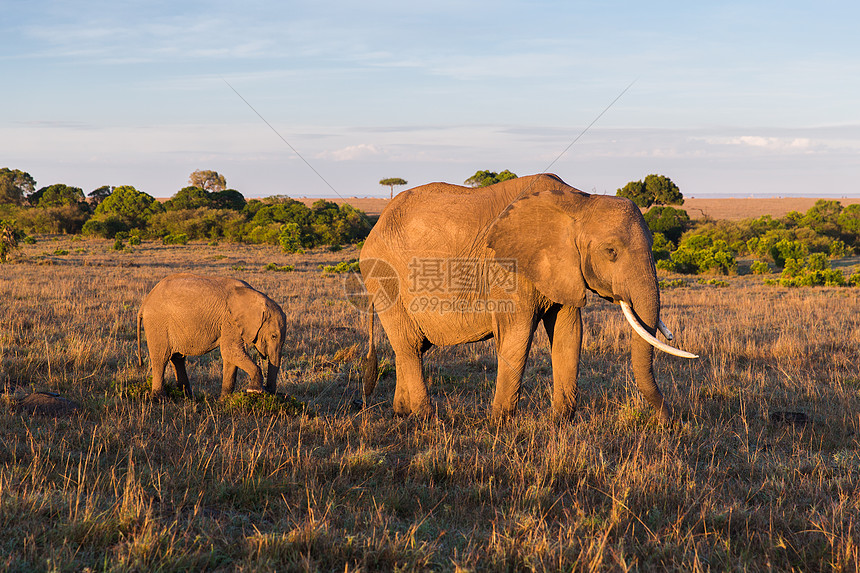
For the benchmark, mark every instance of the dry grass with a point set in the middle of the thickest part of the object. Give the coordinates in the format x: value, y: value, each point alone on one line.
x: 127, y: 485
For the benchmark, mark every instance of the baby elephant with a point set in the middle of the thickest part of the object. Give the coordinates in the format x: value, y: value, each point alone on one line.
x: 189, y: 315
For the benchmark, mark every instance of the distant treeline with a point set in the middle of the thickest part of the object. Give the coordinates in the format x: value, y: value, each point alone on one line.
x: 193, y: 213
x: 800, y: 244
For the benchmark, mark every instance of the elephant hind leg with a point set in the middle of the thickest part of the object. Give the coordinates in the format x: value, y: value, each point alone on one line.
x: 158, y: 358
x: 178, y: 362
x: 410, y: 392
x: 564, y: 330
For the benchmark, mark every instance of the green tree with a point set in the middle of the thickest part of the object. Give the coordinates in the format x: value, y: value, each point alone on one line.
x: 655, y: 189
x: 487, y: 178
x: 636, y: 192
x: 663, y: 190
x: 228, y: 199
x: 57, y: 195
x: 669, y: 221
x: 188, y: 198
x: 209, y: 180
x: 126, y: 208
x: 849, y: 222
x: 101, y: 193
x: 823, y: 218
x: 391, y: 182
x: 15, y: 185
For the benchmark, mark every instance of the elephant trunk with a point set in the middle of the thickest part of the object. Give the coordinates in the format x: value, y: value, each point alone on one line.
x: 646, y: 306
x: 272, y: 375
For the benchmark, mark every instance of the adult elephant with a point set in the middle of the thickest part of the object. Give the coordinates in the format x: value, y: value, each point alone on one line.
x: 448, y: 265
x: 188, y: 315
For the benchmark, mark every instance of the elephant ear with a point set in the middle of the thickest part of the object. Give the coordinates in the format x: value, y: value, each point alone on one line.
x: 538, y: 235
x: 247, y: 310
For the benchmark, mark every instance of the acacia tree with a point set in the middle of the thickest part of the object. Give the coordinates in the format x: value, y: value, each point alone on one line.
x: 487, y: 178
x: 391, y: 182
x: 209, y: 180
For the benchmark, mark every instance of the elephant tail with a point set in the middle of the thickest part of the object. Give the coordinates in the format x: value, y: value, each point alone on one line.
x: 139, y: 320
x: 370, y: 368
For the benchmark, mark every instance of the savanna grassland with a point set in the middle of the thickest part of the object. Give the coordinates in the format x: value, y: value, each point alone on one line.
x: 761, y: 472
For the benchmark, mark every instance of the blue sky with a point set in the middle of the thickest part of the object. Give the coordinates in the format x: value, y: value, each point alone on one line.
x: 728, y: 98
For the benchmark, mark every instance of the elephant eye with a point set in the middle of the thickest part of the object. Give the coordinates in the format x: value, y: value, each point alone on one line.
x: 611, y: 253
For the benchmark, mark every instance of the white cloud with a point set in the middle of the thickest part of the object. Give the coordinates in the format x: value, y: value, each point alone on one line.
x: 778, y: 143
x: 351, y: 153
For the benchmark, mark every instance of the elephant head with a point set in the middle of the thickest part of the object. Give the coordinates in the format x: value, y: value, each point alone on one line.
x: 261, y: 323
x: 578, y: 242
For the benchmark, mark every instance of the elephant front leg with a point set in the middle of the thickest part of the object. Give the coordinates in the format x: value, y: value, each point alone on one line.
x: 178, y: 362
x: 564, y: 329
x: 512, y: 348
x: 237, y: 357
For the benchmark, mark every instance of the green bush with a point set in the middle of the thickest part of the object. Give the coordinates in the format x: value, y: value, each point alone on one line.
x: 106, y: 226
x: 199, y: 223
x: 292, y: 239
x: 342, y: 267
x: 698, y: 254
x: 10, y: 236
x: 669, y: 221
x: 179, y: 239
x: 838, y: 249
x: 672, y: 283
x: 714, y: 282
x: 662, y: 247
x: 785, y: 249
x: 814, y: 270
x: 280, y: 269
x: 760, y: 268
x: 56, y: 219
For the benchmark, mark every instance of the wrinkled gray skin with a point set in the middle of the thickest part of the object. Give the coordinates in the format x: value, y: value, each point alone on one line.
x: 189, y: 315
x: 563, y: 243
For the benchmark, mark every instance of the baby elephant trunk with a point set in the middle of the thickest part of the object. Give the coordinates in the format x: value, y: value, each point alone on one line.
x: 272, y: 375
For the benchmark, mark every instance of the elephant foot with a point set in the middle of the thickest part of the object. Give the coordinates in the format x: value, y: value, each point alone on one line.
x: 158, y: 396
x: 503, y: 413
x: 424, y: 410
x: 665, y: 415
x: 563, y: 415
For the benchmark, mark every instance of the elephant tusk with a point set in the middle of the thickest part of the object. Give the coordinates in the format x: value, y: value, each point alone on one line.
x: 649, y: 338
x: 666, y: 332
